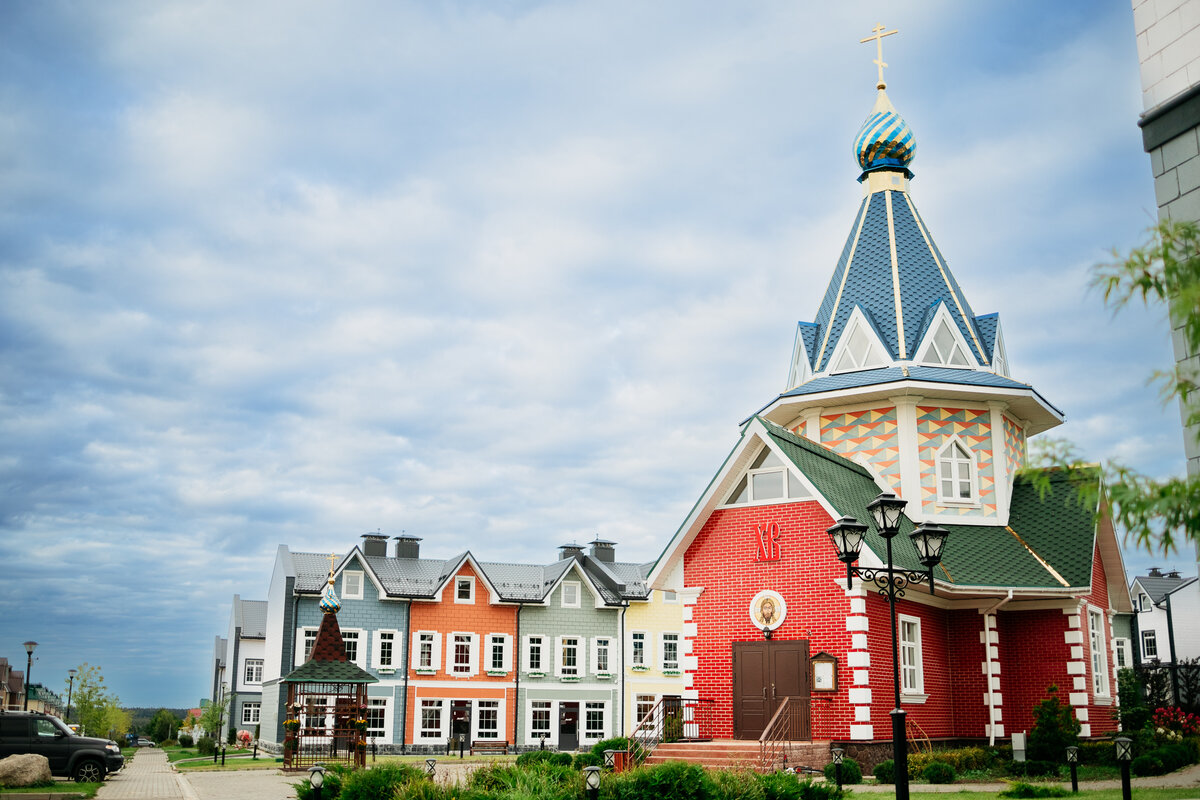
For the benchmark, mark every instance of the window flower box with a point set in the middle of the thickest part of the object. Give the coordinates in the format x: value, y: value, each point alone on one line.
x: 639, y: 668
x: 497, y: 673
x: 425, y: 671
x: 536, y: 673
x: 571, y: 679
x: 604, y: 676
x: 386, y: 670
x: 672, y: 672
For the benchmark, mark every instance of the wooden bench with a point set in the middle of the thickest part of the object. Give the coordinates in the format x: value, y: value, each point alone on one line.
x: 490, y: 747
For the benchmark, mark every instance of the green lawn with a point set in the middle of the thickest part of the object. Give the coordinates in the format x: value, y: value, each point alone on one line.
x: 1139, y: 792
x: 67, y: 788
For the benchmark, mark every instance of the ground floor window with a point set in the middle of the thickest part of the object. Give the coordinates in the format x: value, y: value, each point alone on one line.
x: 912, y: 677
x: 645, y: 706
x: 376, y: 712
x: 250, y: 712
x: 593, y: 721
x: 1149, y: 645
x: 1099, y: 656
x: 488, y: 725
x: 431, y: 719
x: 1122, y: 648
x: 539, y: 719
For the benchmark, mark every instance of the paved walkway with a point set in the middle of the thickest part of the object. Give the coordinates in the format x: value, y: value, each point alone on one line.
x: 149, y: 776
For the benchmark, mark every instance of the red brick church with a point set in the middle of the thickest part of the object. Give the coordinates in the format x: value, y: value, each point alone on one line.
x: 897, y: 386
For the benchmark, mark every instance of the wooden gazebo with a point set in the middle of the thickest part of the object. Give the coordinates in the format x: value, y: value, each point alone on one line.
x: 326, y: 700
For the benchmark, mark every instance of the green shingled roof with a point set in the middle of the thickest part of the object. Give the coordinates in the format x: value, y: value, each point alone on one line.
x: 329, y: 672
x: 1058, y: 528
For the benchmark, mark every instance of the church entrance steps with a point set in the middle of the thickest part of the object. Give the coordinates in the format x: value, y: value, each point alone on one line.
x: 739, y: 754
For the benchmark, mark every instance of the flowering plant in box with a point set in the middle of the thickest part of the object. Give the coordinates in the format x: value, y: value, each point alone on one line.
x: 291, y: 725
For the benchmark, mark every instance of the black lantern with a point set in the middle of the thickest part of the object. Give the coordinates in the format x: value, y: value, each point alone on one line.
x: 1124, y: 748
x: 929, y: 541
x: 610, y: 759
x: 316, y: 779
x: 1072, y: 755
x: 29, y: 647
x: 886, y: 510
x: 847, y: 535
x: 430, y: 766
x: 838, y: 754
x: 591, y: 780
x: 1073, y: 760
x: 837, y: 765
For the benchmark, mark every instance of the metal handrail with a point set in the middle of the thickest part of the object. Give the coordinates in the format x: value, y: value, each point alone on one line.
x: 787, y: 725
x: 691, y: 722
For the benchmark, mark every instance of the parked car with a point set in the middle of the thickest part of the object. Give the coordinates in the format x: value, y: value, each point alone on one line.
x: 84, y: 758
x: 143, y: 742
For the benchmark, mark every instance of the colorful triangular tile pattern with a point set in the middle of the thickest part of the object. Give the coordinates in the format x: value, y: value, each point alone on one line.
x: 935, y: 426
x: 870, y: 434
x: 1014, y: 446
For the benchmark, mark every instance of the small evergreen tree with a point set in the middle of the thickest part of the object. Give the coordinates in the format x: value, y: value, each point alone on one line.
x: 1054, y: 728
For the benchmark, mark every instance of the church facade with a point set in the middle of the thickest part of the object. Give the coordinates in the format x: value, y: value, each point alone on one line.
x: 897, y: 386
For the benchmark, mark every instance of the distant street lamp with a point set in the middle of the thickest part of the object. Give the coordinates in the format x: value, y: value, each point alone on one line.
x: 71, y: 673
x: 29, y: 648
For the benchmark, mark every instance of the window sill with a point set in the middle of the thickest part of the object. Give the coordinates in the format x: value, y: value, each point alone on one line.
x: 914, y: 698
x: 386, y: 670
x: 1102, y: 700
x: 945, y: 503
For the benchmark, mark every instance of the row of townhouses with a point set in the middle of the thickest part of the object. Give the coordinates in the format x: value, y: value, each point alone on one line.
x: 561, y: 655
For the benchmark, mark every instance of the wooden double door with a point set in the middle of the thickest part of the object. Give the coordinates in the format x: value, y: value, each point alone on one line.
x: 764, y: 673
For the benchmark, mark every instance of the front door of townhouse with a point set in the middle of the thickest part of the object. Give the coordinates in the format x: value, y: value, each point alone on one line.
x: 460, y: 721
x: 764, y: 673
x: 568, y: 726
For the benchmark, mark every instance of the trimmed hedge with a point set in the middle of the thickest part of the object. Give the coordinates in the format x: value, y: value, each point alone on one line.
x: 851, y: 772
x: 939, y: 772
x: 885, y: 771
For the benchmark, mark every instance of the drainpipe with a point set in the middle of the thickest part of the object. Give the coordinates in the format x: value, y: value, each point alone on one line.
x: 516, y: 656
x: 404, y: 691
x: 987, y: 644
x: 621, y: 641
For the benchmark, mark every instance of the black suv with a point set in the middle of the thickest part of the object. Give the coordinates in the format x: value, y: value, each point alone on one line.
x: 83, y: 758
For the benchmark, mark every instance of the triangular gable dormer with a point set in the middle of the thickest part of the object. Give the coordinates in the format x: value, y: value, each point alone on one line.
x: 860, y: 346
x: 943, y: 344
x: 769, y: 480
x: 355, y: 561
x: 585, y: 580
x: 999, y: 354
x: 801, y: 370
x: 449, y: 579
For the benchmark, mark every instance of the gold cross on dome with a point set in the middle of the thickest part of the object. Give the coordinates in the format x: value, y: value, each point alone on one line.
x: 879, y: 33
x: 332, y: 561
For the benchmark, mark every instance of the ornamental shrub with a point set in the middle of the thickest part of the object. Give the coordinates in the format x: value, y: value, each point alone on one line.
x: 736, y: 784
x: 615, y: 743
x: 851, y: 772
x: 789, y: 786
x: 1028, y: 790
x: 885, y: 772
x: 334, y: 776
x: 543, y: 757
x: 185, y: 740
x: 582, y: 760
x: 379, y: 781
x: 939, y: 772
x: 206, y: 746
x: 1147, y: 764
x: 1054, y: 728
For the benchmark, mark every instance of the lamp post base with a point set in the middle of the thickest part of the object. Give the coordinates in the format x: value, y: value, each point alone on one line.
x: 900, y: 752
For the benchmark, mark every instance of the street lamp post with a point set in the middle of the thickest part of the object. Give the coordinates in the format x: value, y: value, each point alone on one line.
x: 1073, y: 760
x: 1124, y: 747
x: 29, y: 648
x: 71, y: 673
x: 891, y: 582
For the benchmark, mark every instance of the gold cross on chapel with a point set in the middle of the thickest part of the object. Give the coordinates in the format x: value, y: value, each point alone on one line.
x: 879, y: 33
x: 332, y: 561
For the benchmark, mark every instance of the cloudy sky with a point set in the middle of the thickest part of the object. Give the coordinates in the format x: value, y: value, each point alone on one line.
x: 497, y: 274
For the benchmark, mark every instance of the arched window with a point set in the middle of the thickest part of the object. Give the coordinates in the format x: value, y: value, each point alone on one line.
x: 956, y: 473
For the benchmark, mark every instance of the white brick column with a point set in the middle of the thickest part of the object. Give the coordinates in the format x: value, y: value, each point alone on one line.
x: 1077, y: 667
x: 992, y: 699
x: 858, y: 660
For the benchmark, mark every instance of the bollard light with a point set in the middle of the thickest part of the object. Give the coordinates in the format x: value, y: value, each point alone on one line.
x: 1124, y: 748
x: 610, y: 759
x: 430, y: 766
x: 591, y: 779
x: 1072, y: 755
x: 316, y: 776
x: 1073, y: 760
x: 838, y: 754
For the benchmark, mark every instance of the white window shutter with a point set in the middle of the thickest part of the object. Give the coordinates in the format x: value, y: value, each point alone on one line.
x: 375, y: 642
x: 558, y: 656
x: 508, y: 656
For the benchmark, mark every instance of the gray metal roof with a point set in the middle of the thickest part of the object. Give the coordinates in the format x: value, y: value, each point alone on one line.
x: 252, y: 617
x: 1159, y: 587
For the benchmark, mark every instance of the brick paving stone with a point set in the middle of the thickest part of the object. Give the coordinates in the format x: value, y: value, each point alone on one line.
x: 146, y: 776
x: 257, y: 784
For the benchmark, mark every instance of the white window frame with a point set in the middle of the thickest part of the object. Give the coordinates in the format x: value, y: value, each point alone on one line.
x: 1101, y: 680
x: 911, y: 660
x: 578, y: 594
x: 504, y: 641
x: 665, y: 665
x: 472, y: 666
x: 647, y: 649
x: 435, y: 640
x: 583, y: 732
x: 384, y: 704
x: 876, y: 355
x: 301, y: 634
x: 256, y: 707
x: 1149, y: 636
x: 638, y: 700
x: 927, y: 352
x: 606, y: 643
x: 527, y: 652
x: 794, y: 489
x: 1122, y: 652
x: 459, y: 582
x: 352, y: 584
x: 531, y: 734
x: 443, y: 707
x: 972, y: 462
x: 1145, y: 602
x: 377, y: 649
x: 477, y: 717
x: 360, y: 645
x: 560, y: 652
x: 249, y: 678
